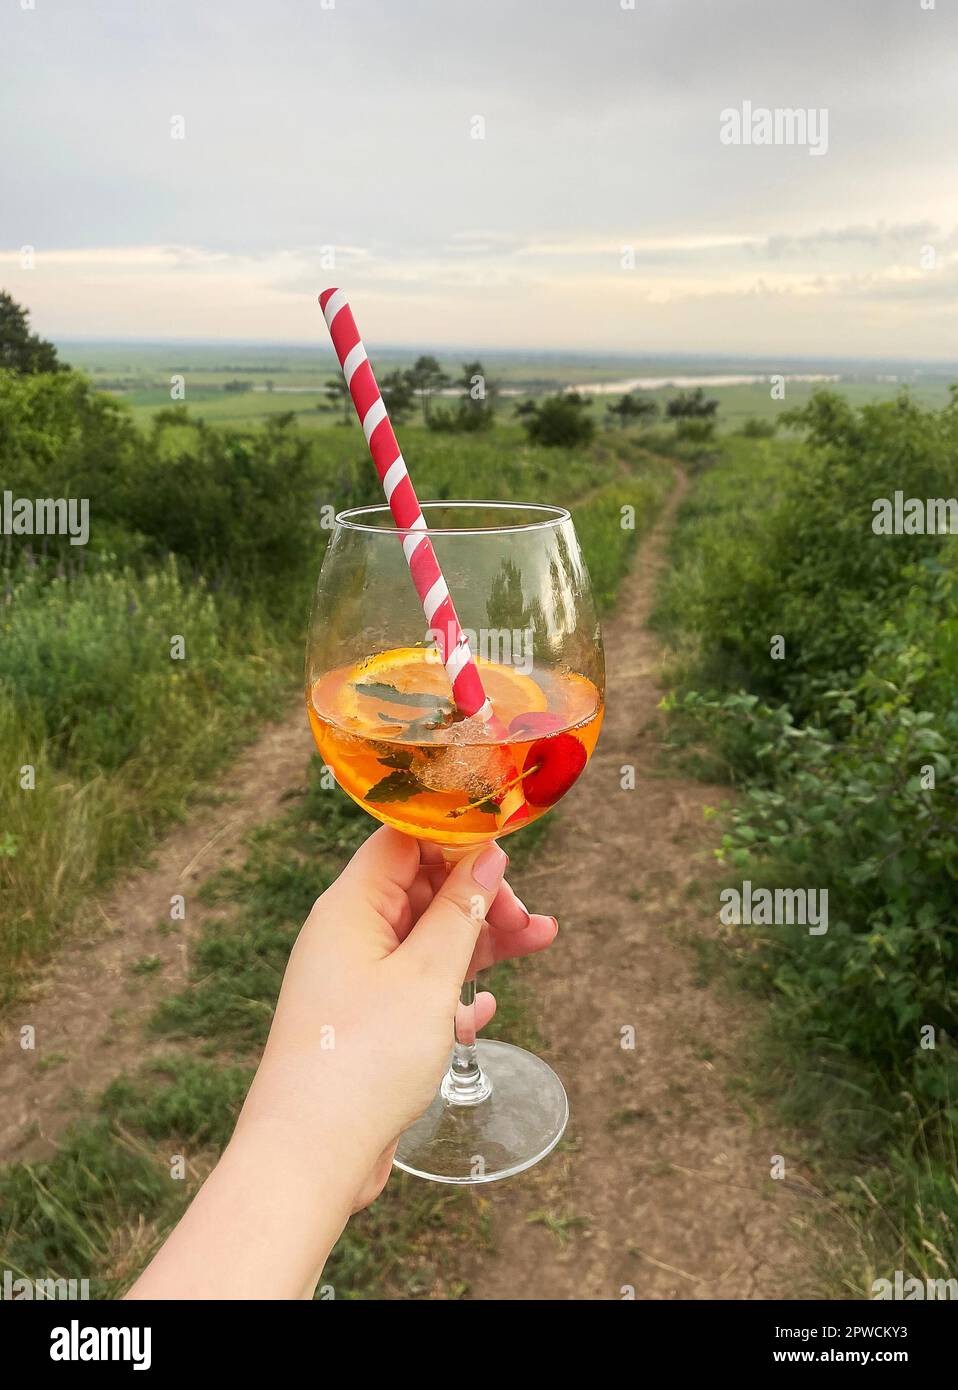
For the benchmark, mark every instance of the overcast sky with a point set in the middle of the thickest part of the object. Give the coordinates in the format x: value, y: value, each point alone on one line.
x: 601, y: 210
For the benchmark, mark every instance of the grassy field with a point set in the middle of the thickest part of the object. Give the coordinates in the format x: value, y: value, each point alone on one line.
x: 140, y: 374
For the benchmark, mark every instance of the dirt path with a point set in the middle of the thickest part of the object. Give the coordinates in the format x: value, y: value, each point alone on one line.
x: 89, y: 1007
x: 663, y: 1182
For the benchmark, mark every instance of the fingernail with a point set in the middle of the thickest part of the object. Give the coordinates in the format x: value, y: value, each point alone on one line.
x: 489, y: 867
x: 523, y: 909
x: 554, y: 923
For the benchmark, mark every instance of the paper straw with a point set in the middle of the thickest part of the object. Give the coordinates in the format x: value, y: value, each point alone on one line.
x: 437, y: 604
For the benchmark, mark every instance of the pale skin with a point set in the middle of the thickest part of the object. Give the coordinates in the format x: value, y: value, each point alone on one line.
x: 376, y: 971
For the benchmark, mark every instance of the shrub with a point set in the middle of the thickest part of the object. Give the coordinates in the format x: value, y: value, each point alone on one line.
x: 560, y: 421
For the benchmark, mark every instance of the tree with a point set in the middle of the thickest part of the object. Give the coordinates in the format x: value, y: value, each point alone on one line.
x: 399, y: 395
x: 691, y: 405
x: 337, y: 393
x: 633, y: 408
x: 474, y: 409
x: 427, y: 377
x: 21, y: 350
x: 478, y: 403
x: 560, y: 420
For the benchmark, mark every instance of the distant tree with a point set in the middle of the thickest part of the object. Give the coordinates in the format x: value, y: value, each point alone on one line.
x: 399, y: 395
x: 478, y: 403
x: 634, y: 407
x: 560, y: 420
x: 270, y: 385
x: 337, y: 393
x: 691, y: 405
x: 427, y: 377
x: 21, y: 350
x: 475, y: 408
x: 237, y: 388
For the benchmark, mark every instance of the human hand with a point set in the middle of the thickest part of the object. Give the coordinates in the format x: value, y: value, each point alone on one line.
x: 360, y: 1038
x: 364, y: 1024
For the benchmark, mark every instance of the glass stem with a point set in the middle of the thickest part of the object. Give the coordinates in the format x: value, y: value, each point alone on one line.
x: 465, y: 1083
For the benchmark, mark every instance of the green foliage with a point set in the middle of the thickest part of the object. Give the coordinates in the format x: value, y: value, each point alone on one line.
x: 608, y: 544
x: 21, y: 350
x: 242, y: 509
x: 695, y: 430
x: 427, y: 377
x: 846, y: 751
x: 633, y: 408
x: 399, y: 395
x: 692, y: 405
x: 755, y: 428
x: 559, y: 421
x: 475, y: 409
x: 92, y: 656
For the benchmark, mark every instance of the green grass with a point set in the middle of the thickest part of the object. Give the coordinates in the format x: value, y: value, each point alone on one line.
x: 119, y: 736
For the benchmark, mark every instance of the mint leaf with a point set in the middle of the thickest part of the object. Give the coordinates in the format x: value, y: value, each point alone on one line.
x: 381, y: 690
x: 398, y: 786
x: 399, y: 757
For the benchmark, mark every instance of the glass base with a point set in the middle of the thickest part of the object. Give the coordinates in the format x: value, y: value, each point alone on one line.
x: 519, y: 1121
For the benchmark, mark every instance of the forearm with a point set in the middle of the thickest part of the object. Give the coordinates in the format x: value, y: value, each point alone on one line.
x: 263, y: 1223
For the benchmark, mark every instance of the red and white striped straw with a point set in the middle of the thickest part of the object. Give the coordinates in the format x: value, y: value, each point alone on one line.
x: 433, y: 592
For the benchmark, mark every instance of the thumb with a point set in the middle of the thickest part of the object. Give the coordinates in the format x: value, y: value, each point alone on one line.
x: 442, y: 941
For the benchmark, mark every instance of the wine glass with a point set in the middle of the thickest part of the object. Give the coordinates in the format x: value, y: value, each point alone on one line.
x: 381, y: 710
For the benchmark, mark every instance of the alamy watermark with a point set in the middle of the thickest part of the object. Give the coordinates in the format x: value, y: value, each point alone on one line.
x: 507, y: 646
x: 899, y: 515
x: 778, y: 125
x: 45, y: 516
x: 902, y: 1287
x: 748, y: 906
x: 14, y: 1289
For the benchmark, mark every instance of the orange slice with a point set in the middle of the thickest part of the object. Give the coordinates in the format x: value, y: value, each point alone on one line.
x: 418, y: 671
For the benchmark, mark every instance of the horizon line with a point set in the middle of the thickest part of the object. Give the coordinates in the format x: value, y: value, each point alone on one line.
x: 603, y: 353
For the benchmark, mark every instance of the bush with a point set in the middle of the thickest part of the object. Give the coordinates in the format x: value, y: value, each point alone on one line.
x: 754, y: 428
x: 240, y: 508
x: 560, y: 421
x: 846, y: 749
x: 695, y: 431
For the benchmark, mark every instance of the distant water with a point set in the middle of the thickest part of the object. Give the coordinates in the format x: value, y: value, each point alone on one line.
x: 655, y: 383
x: 614, y: 388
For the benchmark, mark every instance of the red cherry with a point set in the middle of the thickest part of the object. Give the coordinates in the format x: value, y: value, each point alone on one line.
x: 560, y: 759
x: 535, y: 724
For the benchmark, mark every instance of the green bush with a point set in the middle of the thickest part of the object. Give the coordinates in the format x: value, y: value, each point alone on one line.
x: 846, y: 749
x: 755, y: 428
x: 560, y: 421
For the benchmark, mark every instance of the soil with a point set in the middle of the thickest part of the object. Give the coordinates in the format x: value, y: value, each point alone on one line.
x: 89, y: 1006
